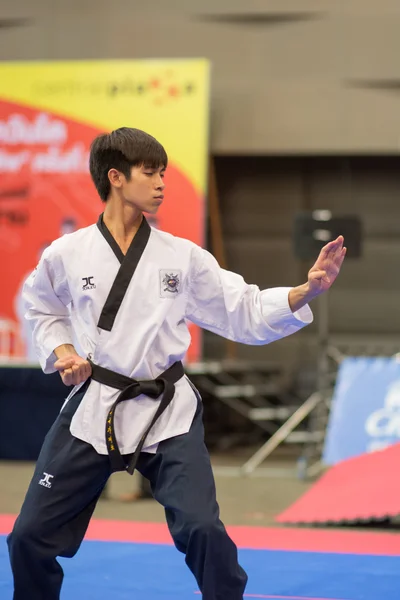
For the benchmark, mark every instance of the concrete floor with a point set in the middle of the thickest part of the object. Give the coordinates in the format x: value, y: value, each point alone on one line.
x: 252, y: 501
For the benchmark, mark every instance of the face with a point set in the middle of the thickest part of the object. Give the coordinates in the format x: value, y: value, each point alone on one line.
x: 144, y: 190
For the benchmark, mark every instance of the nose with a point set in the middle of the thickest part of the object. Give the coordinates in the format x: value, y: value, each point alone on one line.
x: 160, y: 184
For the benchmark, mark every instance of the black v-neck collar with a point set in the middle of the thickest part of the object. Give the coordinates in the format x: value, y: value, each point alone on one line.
x: 106, y: 233
x: 137, y: 241
x: 128, y: 264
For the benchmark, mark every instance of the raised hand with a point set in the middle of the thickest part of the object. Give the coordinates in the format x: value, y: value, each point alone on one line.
x: 327, y: 267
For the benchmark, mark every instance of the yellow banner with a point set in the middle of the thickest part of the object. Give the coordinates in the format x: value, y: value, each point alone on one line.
x: 167, y: 98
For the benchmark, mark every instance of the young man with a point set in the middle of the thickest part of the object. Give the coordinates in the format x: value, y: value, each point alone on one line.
x: 126, y: 290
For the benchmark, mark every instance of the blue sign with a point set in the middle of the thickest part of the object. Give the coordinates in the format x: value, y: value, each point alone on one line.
x: 365, y: 412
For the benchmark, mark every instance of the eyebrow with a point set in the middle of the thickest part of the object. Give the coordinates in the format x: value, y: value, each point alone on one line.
x: 152, y: 168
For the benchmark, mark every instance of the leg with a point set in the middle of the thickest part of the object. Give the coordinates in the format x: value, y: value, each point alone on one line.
x: 182, y: 481
x: 61, y: 498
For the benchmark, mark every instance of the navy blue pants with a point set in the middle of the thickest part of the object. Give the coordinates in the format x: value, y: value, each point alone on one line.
x: 68, y: 480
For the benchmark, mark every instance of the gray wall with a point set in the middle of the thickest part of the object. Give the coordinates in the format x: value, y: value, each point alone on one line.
x: 259, y: 198
x: 306, y: 76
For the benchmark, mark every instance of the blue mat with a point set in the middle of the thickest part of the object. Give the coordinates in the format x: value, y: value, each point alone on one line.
x: 124, y: 571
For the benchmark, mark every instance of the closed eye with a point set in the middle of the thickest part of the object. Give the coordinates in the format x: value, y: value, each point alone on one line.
x: 151, y: 173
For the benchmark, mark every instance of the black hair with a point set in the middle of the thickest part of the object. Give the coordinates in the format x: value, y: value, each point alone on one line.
x: 123, y: 149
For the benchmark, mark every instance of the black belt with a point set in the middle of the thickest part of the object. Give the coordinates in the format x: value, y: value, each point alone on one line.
x: 131, y: 388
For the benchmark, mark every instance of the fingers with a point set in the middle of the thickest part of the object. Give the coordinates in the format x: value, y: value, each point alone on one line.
x: 85, y: 371
x: 77, y: 373
x: 332, y: 247
x: 63, y: 363
x: 320, y: 275
x: 342, y: 255
x: 323, y: 274
x: 339, y: 241
x: 70, y: 376
x: 80, y: 373
x: 66, y: 377
x: 88, y: 370
x: 335, y: 245
x: 338, y: 257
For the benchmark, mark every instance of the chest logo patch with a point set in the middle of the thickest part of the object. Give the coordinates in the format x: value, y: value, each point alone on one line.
x: 88, y: 283
x: 170, y: 282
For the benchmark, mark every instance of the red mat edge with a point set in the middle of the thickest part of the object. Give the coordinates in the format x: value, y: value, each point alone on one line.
x: 257, y: 538
x: 357, y: 490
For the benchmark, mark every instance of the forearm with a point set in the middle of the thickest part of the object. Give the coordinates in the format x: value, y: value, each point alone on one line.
x: 299, y: 296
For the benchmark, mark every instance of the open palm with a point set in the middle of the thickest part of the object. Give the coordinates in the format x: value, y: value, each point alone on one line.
x: 327, y: 267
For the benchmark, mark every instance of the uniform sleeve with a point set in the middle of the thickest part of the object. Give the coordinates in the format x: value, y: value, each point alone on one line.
x: 222, y: 302
x: 46, y: 296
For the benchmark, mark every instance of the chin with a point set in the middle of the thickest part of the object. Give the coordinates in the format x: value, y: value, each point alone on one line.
x: 151, y: 211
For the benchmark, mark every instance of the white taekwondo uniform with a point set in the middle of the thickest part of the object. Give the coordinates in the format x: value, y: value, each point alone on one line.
x: 129, y: 314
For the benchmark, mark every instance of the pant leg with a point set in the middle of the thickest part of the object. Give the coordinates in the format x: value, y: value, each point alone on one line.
x: 182, y: 481
x: 145, y: 488
x: 68, y: 479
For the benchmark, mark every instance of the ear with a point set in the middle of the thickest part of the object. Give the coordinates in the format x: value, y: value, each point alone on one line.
x: 115, y: 178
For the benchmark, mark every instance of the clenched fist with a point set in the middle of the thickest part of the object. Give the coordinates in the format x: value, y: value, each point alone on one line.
x: 73, y: 368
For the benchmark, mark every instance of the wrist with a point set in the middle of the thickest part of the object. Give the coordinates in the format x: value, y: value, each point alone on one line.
x: 64, y: 350
x: 299, y: 296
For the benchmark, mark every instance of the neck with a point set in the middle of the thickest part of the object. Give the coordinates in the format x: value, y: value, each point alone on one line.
x: 122, y: 220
